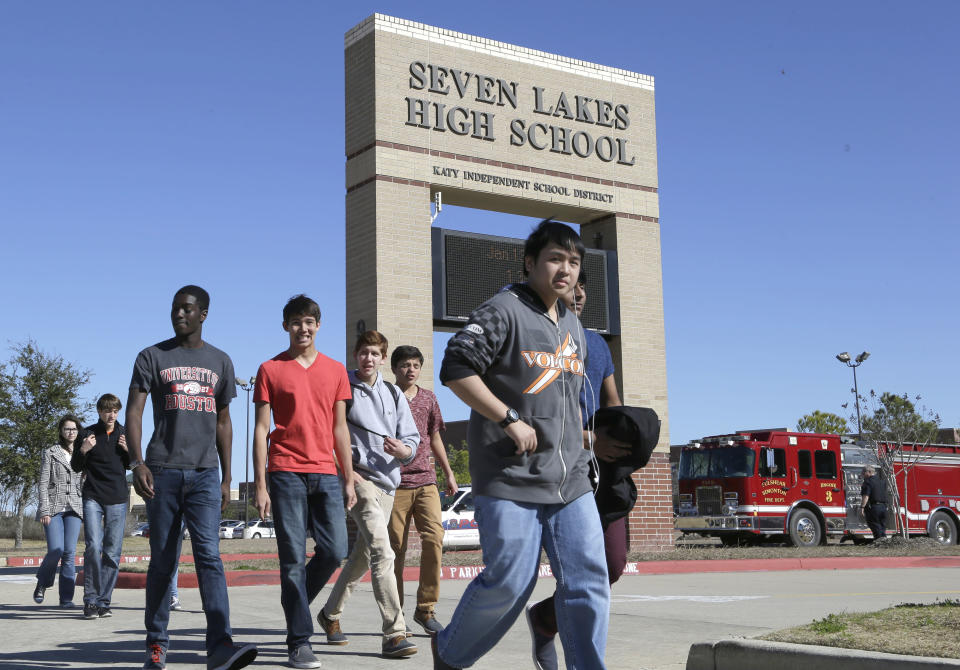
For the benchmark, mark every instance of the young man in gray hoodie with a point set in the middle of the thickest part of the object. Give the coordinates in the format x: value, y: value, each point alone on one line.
x: 383, y: 436
x: 519, y: 364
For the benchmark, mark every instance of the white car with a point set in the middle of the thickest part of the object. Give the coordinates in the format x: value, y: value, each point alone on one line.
x: 456, y: 515
x: 257, y: 529
x: 227, y: 527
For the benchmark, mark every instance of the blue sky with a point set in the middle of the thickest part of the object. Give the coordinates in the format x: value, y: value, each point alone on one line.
x: 808, y: 184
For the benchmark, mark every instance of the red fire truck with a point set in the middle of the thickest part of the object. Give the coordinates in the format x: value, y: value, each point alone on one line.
x: 805, y: 487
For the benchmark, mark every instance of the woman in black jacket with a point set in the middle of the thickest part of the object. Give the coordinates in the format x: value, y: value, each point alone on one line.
x: 60, y: 510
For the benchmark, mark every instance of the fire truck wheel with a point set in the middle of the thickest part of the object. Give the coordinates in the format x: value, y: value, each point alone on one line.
x: 942, y: 529
x: 805, y: 529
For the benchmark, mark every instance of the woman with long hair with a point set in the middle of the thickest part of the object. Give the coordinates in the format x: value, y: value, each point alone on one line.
x: 60, y: 511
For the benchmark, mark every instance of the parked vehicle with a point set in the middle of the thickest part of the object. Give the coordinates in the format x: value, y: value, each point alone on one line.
x: 142, y: 530
x: 146, y: 532
x: 257, y: 529
x: 456, y: 514
x: 229, y: 528
x: 805, y: 487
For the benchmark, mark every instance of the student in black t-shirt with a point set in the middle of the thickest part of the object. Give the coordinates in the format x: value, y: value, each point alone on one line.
x: 103, y: 459
x: 191, y: 384
x: 874, y: 502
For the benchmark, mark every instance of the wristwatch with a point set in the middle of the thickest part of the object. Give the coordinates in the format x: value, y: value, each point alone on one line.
x: 512, y: 417
x: 136, y: 464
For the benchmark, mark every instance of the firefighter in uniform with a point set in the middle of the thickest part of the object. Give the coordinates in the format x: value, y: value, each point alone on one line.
x: 874, y: 503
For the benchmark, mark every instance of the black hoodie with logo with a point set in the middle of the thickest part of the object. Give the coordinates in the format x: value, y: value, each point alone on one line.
x: 536, y: 367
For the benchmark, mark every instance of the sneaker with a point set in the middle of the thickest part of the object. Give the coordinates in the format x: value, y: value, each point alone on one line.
x: 428, y: 621
x: 302, y: 657
x: 38, y: 593
x: 90, y: 611
x: 438, y: 663
x: 544, y: 649
x: 104, y: 612
x: 332, y: 629
x: 68, y: 605
x: 398, y: 647
x: 156, y: 658
x: 231, y: 656
x: 175, y: 605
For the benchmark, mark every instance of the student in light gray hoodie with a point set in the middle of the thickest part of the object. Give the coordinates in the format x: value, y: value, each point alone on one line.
x: 383, y: 436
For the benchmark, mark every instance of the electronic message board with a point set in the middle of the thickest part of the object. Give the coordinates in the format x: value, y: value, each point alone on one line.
x: 468, y: 268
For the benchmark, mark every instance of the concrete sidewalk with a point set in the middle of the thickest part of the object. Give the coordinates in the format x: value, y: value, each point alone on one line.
x: 41, y: 636
x: 654, y: 619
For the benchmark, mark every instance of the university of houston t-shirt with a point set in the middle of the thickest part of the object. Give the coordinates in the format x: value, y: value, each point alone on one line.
x: 186, y: 386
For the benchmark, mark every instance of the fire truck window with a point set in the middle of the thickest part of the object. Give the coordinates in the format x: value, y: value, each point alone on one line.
x: 694, y: 464
x: 826, y: 462
x: 773, y: 462
x: 804, y: 466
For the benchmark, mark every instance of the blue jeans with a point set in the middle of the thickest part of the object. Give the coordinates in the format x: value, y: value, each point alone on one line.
x: 103, y: 534
x: 62, y: 533
x: 305, y: 502
x: 511, y: 534
x: 191, y: 497
x: 174, y: 588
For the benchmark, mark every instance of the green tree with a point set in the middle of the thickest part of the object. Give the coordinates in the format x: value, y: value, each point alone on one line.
x: 822, y: 422
x: 459, y: 459
x: 36, y: 390
x: 899, y: 432
x: 895, y: 418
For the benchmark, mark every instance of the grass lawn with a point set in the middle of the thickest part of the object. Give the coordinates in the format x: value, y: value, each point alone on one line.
x: 686, y: 550
x: 919, y: 630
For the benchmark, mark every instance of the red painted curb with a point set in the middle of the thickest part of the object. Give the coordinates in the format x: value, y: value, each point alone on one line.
x: 137, y: 580
x: 27, y: 561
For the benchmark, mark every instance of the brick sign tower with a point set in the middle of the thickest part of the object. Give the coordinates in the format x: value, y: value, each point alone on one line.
x: 500, y: 127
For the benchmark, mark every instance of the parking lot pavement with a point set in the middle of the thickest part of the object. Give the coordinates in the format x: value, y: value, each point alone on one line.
x: 653, y: 621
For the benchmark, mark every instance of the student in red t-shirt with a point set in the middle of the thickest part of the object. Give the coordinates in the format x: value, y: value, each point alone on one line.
x: 417, y: 498
x: 307, y: 393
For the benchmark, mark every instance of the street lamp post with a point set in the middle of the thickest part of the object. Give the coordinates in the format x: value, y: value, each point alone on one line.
x: 844, y: 357
x: 247, y: 385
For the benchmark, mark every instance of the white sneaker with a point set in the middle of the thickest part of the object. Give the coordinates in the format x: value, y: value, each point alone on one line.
x: 175, y: 605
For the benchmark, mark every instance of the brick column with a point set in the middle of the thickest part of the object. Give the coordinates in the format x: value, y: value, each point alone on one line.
x: 639, y: 356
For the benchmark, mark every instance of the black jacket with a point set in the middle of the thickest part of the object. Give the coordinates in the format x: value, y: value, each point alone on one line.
x: 105, y: 465
x: 617, y: 494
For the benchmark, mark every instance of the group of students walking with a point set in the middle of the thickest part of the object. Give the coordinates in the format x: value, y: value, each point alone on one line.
x: 549, y: 469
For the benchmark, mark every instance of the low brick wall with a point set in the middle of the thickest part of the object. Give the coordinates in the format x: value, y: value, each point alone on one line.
x: 650, y: 524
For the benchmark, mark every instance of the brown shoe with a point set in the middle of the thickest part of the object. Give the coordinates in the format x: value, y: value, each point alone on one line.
x: 398, y: 647
x: 429, y: 622
x: 332, y: 629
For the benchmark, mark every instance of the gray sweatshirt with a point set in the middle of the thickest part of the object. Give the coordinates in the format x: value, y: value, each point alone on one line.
x: 375, y: 412
x: 536, y: 367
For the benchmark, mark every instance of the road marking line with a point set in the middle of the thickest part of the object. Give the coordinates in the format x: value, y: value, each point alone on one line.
x: 867, y: 593
x: 696, y: 599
